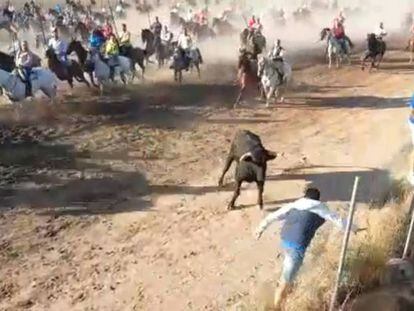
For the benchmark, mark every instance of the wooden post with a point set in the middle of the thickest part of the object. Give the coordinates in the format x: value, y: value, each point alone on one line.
x: 409, y: 234
x: 345, y: 244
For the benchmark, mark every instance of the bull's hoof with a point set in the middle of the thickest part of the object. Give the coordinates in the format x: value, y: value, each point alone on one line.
x: 230, y: 207
x: 220, y: 184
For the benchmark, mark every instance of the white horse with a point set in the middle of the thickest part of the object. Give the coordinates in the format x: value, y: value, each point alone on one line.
x: 102, y: 70
x: 335, y: 49
x: 272, y: 83
x: 41, y: 79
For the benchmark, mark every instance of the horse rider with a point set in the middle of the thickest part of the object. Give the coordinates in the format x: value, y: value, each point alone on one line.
x: 252, y: 22
x: 24, y: 64
x: 184, y: 43
x: 341, y: 17
x: 124, y: 41
x: 60, y: 47
x: 339, y: 34
x: 380, y: 32
x: 258, y: 26
x: 276, y: 54
x: 111, y: 54
x: 156, y: 28
x: 166, y: 36
x: 96, y: 40
x: 107, y: 29
x: 26, y: 9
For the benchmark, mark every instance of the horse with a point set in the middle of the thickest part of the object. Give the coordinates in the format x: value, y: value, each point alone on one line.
x: 179, y: 63
x: 202, y: 31
x: 41, y: 79
x: 254, y: 43
x: 82, y: 54
x: 247, y: 75
x: 376, y: 50
x: 63, y: 72
x: 103, y: 71
x: 222, y: 27
x: 7, y: 62
x: 164, y: 51
x: 270, y: 78
x: 137, y: 56
x: 81, y: 29
x: 148, y: 38
x: 334, y: 48
x: 176, y: 21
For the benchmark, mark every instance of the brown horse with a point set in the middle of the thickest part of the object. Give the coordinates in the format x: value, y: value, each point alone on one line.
x: 248, y: 79
x: 65, y: 73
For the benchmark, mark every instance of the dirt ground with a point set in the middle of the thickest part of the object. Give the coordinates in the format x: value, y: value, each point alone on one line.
x: 114, y: 205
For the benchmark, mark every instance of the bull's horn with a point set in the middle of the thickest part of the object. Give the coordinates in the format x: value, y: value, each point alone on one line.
x: 246, y: 155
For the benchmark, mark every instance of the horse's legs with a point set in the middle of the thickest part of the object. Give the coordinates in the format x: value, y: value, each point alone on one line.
x: 269, y: 95
x: 90, y: 73
x: 239, y: 98
x: 180, y: 76
x: 330, y: 61
x: 198, y: 70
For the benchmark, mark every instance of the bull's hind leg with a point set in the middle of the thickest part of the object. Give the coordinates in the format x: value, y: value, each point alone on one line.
x: 235, y: 195
x: 227, y: 165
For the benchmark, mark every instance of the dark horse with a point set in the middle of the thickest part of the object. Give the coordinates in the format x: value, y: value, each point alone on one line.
x: 151, y: 43
x: 376, y: 51
x: 82, y: 54
x: 7, y: 62
x: 247, y: 75
x: 81, y: 29
x: 65, y: 73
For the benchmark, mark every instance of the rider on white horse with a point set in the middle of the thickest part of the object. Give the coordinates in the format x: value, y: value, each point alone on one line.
x: 24, y: 63
x: 112, y: 53
x: 276, y: 55
x: 339, y: 34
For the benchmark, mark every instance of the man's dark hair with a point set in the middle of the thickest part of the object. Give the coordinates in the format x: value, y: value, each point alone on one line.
x: 312, y: 193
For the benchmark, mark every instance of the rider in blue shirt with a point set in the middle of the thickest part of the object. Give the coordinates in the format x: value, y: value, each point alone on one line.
x: 96, y: 40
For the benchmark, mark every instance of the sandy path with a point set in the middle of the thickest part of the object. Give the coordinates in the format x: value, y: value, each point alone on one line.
x: 151, y: 231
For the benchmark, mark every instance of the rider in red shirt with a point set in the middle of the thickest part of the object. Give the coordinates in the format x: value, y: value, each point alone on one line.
x: 338, y: 30
x: 107, y: 30
x: 252, y: 22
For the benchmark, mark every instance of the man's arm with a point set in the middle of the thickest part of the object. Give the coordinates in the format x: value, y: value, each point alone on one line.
x: 323, y: 211
x: 271, y: 218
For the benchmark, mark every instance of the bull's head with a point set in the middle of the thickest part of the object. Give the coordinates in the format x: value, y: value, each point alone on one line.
x: 259, y: 157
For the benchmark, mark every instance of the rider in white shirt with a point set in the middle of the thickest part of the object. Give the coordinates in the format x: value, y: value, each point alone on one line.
x: 59, y: 46
x: 184, y: 41
x: 166, y: 35
x: 380, y: 31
